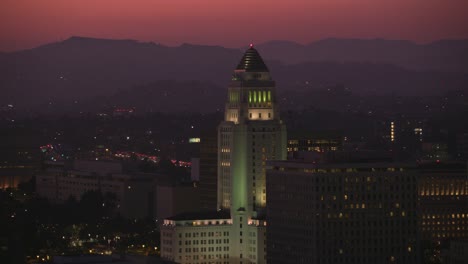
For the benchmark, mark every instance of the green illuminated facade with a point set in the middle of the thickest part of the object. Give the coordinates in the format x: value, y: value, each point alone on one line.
x: 250, y: 134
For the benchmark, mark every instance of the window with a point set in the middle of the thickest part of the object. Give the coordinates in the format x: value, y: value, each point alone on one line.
x: 259, y: 115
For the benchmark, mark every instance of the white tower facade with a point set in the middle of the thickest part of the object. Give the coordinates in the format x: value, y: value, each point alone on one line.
x: 250, y: 134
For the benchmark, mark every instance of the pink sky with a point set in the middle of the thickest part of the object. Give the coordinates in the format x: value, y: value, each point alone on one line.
x: 29, y: 23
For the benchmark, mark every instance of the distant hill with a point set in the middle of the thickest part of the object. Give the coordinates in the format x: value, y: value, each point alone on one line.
x: 167, y: 96
x: 370, y: 78
x: 79, y: 69
x: 170, y: 96
x: 83, y: 67
x: 443, y: 55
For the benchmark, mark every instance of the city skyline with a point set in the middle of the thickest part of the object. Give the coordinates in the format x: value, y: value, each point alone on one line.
x: 150, y: 131
x: 29, y: 24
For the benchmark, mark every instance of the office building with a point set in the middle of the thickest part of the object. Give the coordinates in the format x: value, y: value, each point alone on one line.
x: 308, y: 141
x: 339, y: 212
x: 208, y: 181
x: 443, y: 198
x: 59, y: 183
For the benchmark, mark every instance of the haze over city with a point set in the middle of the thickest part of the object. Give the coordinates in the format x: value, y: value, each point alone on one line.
x: 26, y: 24
x: 234, y: 132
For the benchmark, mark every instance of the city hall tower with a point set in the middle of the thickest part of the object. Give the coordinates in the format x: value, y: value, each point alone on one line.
x: 250, y: 134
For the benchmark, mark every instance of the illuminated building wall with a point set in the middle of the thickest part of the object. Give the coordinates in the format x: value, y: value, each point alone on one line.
x: 342, y: 213
x: 404, y: 132
x: 207, y: 237
x: 314, y: 142
x: 19, y: 159
x: 197, y: 238
x: 443, y: 196
x: 250, y: 134
x: 12, y: 175
x: 392, y: 131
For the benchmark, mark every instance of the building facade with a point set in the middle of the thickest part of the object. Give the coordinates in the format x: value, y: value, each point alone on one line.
x: 308, y: 141
x: 208, y: 171
x: 457, y: 253
x: 342, y: 213
x: 250, y: 134
x: 443, y: 198
x: 59, y: 183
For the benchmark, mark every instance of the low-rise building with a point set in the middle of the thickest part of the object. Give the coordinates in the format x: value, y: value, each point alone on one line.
x: 58, y: 184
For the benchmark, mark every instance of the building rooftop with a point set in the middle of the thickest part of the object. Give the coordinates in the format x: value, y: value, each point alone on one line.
x: 338, y: 165
x: 201, y: 215
x: 252, y: 61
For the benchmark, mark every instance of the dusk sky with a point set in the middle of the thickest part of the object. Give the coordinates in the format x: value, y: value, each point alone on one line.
x: 29, y: 23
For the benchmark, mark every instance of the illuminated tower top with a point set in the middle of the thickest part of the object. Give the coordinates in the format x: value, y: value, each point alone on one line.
x: 251, y: 133
x: 251, y: 95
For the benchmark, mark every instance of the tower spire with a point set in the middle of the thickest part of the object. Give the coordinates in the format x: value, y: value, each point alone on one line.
x: 252, y: 61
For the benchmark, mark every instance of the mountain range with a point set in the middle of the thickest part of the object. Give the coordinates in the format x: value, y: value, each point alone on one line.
x: 442, y: 55
x: 82, y: 68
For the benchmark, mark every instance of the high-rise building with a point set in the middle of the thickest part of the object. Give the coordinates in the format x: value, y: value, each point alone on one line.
x: 250, y: 134
x: 342, y: 212
x: 208, y: 171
